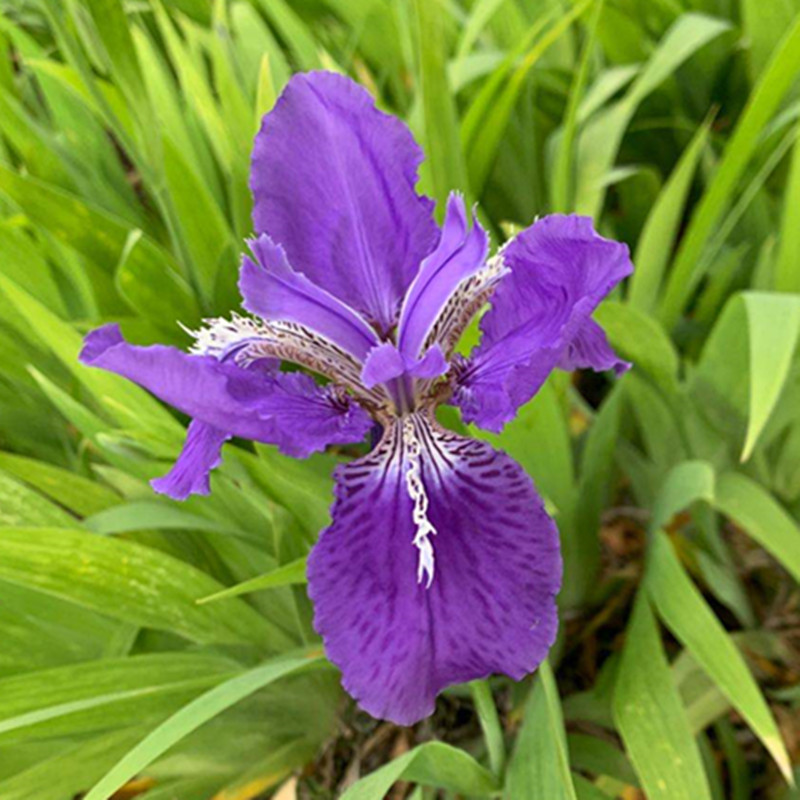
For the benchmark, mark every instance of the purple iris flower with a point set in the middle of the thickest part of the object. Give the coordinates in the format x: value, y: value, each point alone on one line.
x: 440, y: 565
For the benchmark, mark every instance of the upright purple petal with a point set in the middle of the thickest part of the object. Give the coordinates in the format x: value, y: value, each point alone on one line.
x: 286, y: 409
x: 441, y: 566
x: 385, y: 362
x: 460, y: 253
x: 201, y: 453
x: 333, y: 182
x: 274, y: 291
x: 559, y: 271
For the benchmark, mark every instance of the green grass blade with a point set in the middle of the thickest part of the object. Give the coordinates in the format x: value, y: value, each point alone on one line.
x: 661, y: 228
x: 482, y: 151
x: 600, y: 140
x: 97, y: 695
x: 123, y: 400
x: 539, y: 766
x: 651, y: 719
x: 685, y: 484
x: 687, y: 615
x: 641, y: 339
x: 491, y: 726
x: 20, y: 505
x: 432, y: 764
x: 787, y: 274
x: 195, y: 714
x: 290, y: 574
x: 563, y: 173
x: 762, y: 517
x: 80, y: 495
x: 131, y: 582
x: 775, y: 81
x: 773, y: 327
x: 439, y: 113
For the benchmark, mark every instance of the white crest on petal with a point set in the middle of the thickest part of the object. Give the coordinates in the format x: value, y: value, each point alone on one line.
x: 247, y: 339
x: 468, y: 298
x: 418, y: 495
x: 219, y: 337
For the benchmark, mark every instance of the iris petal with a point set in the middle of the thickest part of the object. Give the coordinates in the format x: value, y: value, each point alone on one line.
x: 559, y: 271
x: 201, y: 453
x: 459, y: 254
x: 494, y: 561
x: 286, y: 409
x: 274, y: 291
x: 333, y: 182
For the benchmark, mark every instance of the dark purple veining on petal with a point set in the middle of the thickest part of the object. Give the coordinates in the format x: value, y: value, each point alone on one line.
x: 491, y: 604
x: 287, y: 409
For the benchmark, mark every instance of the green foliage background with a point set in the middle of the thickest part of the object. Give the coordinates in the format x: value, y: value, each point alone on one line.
x: 125, y: 133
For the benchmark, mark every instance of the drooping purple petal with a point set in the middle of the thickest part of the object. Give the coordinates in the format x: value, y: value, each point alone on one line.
x: 493, y: 565
x: 274, y: 291
x: 201, y: 453
x: 589, y: 349
x: 460, y: 253
x: 559, y: 271
x: 333, y: 182
x: 286, y: 409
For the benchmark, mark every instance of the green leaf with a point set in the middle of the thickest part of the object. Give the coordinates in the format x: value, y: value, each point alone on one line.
x: 290, y: 574
x: 600, y: 140
x: 775, y: 81
x: 482, y: 149
x: 145, y: 514
x: 660, y: 231
x: 98, y: 235
x: 131, y: 582
x: 761, y: 516
x: 79, y: 494
x: 206, y: 234
x: 563, y: 172
x: 122, y: 399
x: 579, y: 527
x: 101, y: 694
x: 293, y: 31
x: 600, y: 757
x: 687, y: 615
x: 431, y: 764
x: 197, y: 713
x: 65, y: 772
x: 764, y: 24
x: 539, y: 766
x: 640, y: 339
x: 650, y: 718
x: 491, y: 726
x: 685, y: 484
x: 115, y: 33
x: 439, y: 112
x: 773, y: 326
x: 787, y: 276
x: 20, y: 505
